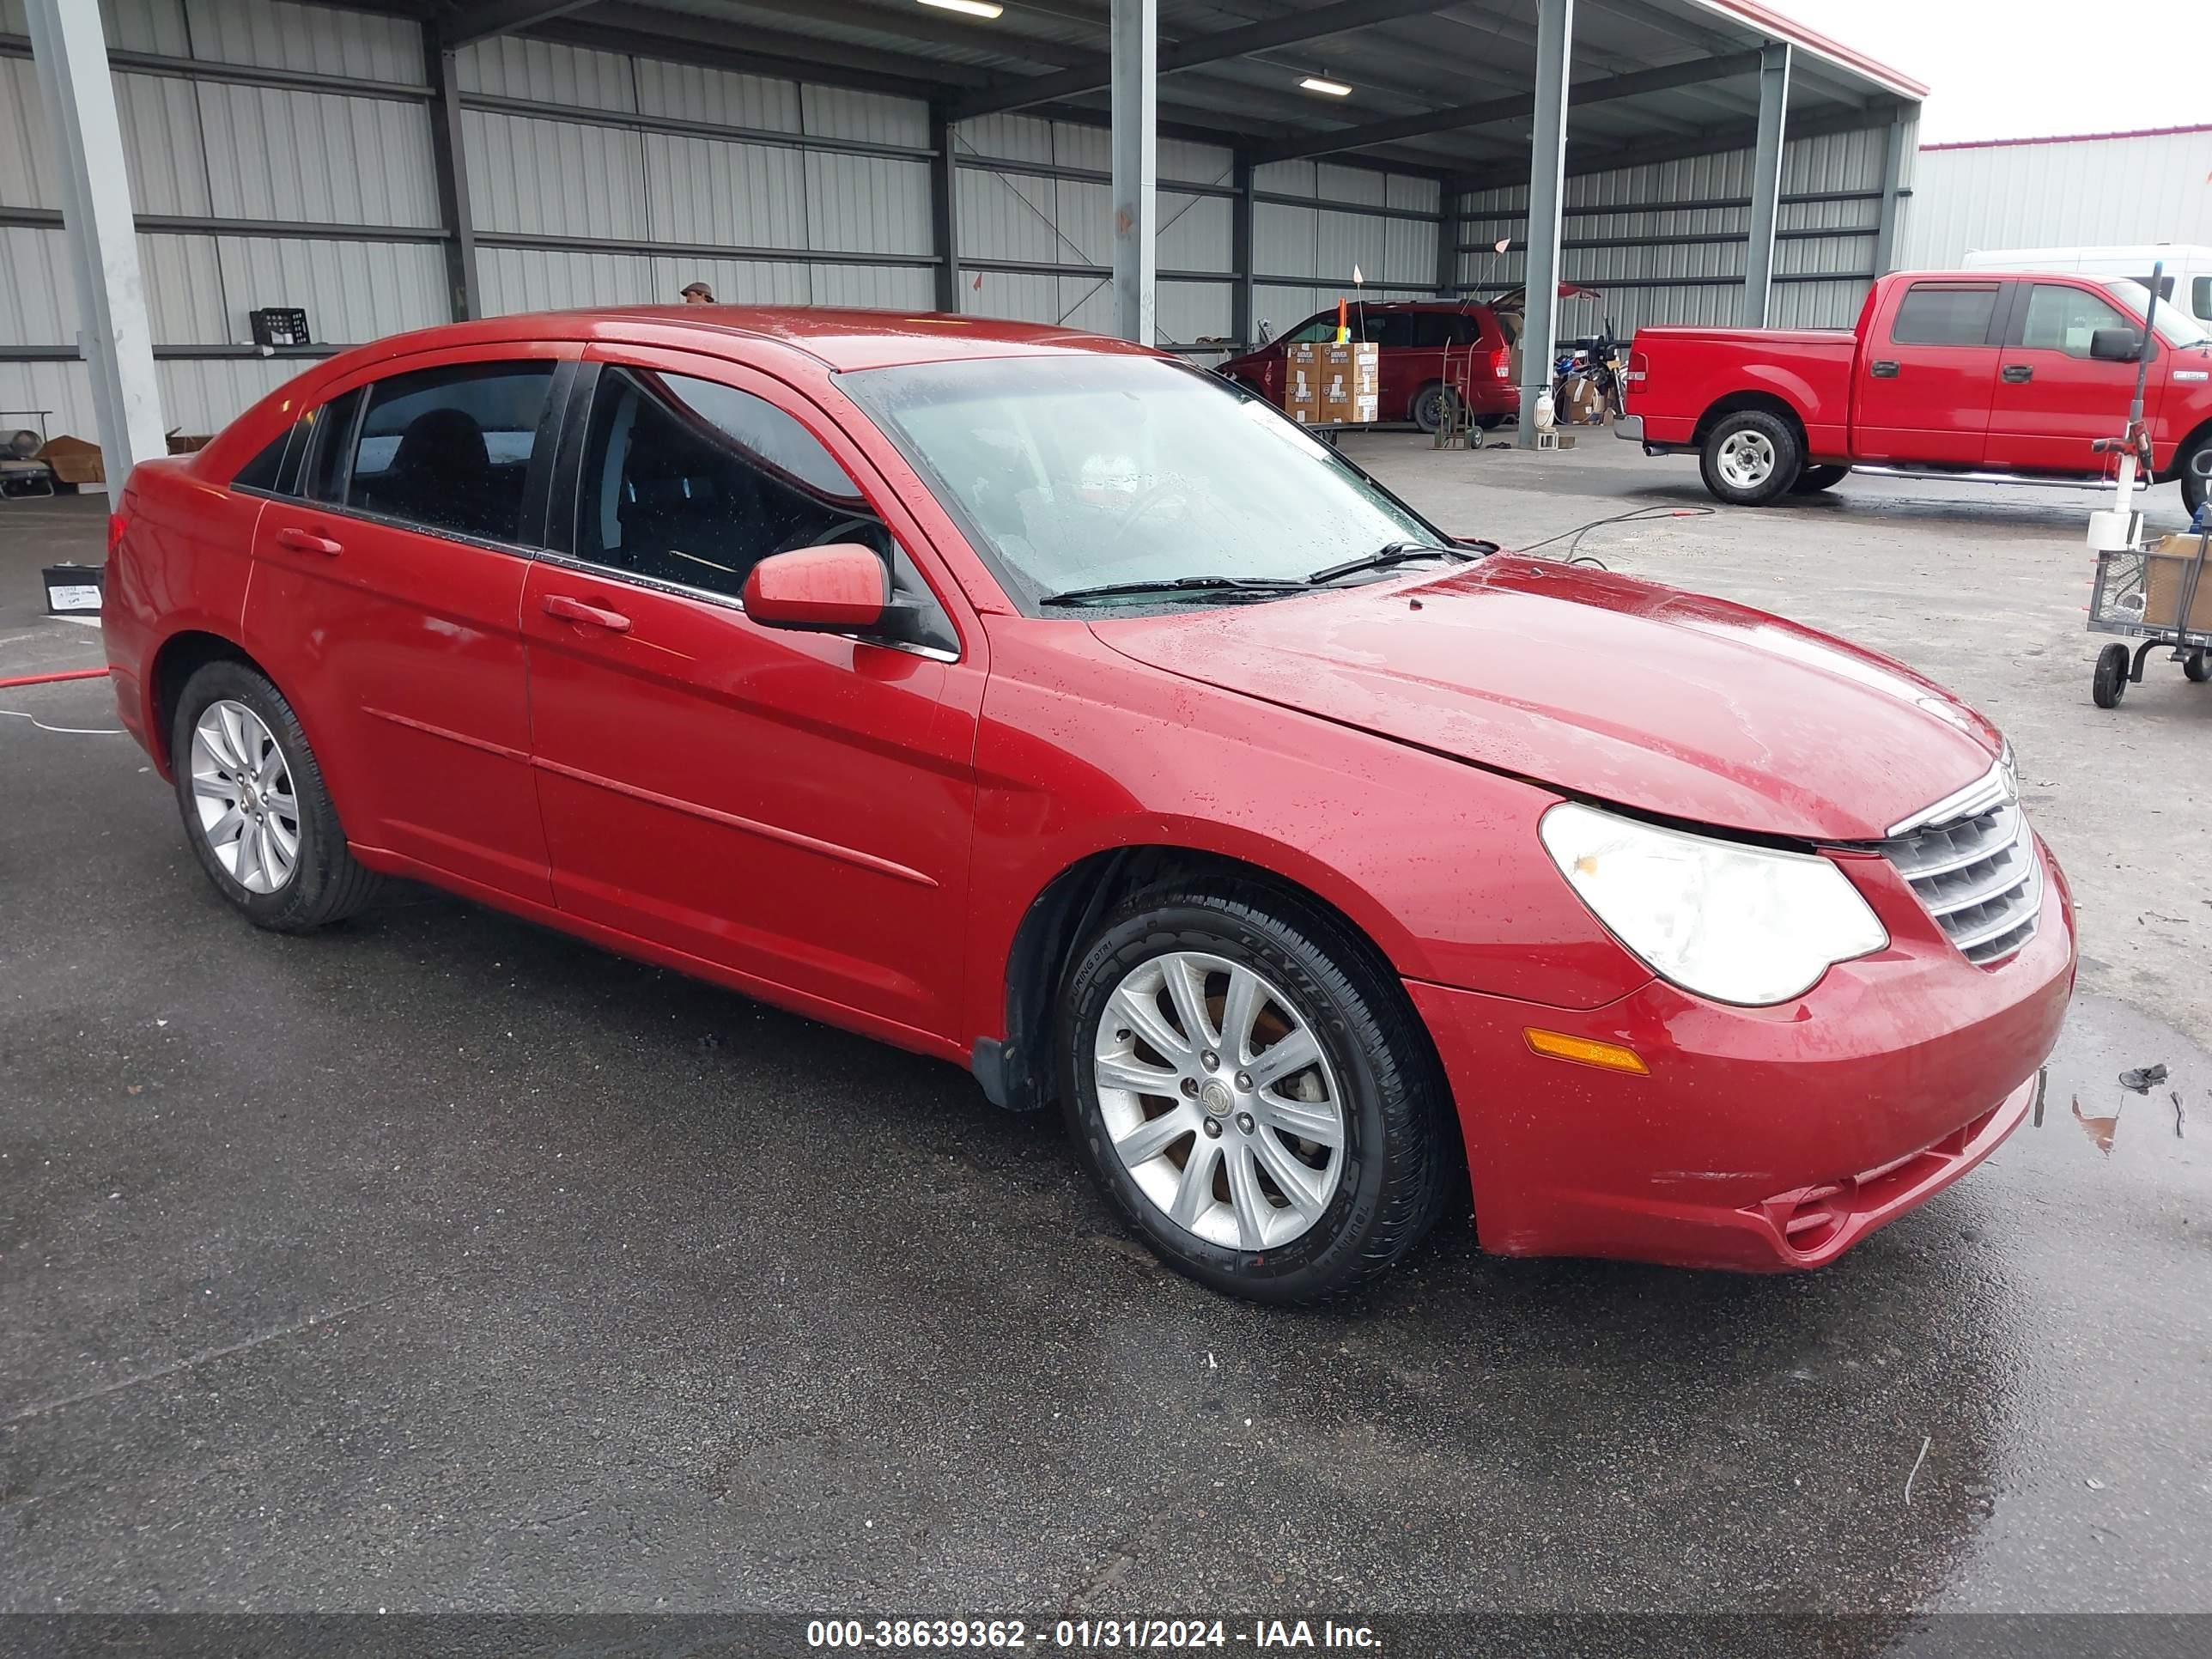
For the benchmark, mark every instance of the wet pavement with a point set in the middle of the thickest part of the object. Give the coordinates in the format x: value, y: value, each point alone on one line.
x: 439, y: 1262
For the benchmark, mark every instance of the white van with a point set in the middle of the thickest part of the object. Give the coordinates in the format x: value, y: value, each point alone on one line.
x: 2186, y: 281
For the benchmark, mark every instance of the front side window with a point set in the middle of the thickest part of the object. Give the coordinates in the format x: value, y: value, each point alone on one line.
x: 449, y: 448
x: 1077, y: 470
x: 2060, y: 319
x: 692, y: 481
x: 1315, y: 331
x: 1945, y: 314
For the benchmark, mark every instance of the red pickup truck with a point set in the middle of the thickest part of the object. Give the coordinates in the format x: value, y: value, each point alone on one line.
x: 1966, y: 374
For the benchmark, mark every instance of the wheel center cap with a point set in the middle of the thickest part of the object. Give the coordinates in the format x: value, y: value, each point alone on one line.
x: 1216, y: 1099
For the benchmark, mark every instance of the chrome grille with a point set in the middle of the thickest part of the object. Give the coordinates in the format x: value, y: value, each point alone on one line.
x: 1975, y: 867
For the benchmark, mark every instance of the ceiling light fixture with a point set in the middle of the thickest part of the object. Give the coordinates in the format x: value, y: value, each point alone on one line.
x: 972, y: 8
x: 1333, y: 88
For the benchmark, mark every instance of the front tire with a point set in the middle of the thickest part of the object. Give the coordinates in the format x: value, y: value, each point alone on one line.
x: 255, y: 807
x: 1812, y: 479
x: 1751, y: 458
x: 1311, y: 1154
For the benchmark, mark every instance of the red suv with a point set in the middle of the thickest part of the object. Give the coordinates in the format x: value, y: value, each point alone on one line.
x: 1039, y: 703
x: 1431, y: 351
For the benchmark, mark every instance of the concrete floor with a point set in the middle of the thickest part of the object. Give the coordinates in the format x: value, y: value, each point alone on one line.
x: 439, y: 1262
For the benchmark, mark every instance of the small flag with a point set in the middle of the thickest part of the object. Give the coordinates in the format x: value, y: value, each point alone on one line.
x: 1358, y: 281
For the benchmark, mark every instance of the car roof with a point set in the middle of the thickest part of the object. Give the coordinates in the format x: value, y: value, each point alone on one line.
x: 836, y: 338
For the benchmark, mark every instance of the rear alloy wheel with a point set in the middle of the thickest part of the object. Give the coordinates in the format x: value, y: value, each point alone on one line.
x: 1249, y: 1094
x: 255, y: 809
x: 1811, y: 479
x: 1751, y: 458
x: 1434, y: 407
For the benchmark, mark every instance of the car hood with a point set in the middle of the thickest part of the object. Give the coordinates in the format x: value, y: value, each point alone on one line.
x: 1600, y: 686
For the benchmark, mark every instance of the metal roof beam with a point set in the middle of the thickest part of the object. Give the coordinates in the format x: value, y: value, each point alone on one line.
x: 679, y: 37
x: 1339, y: 17
x: 1710, y: 140
x: 911, y: 23
x: 1519, y: 107
x: 464, y: 25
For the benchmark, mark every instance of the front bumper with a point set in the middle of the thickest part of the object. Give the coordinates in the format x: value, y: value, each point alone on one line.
x: 1762, y: 1139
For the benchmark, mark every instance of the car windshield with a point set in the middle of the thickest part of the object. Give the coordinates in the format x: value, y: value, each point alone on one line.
x: 2175, y: 326
x: 1078, y: 471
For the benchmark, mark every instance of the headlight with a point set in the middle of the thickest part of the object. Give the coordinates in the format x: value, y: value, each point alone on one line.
x: 1738, y: 924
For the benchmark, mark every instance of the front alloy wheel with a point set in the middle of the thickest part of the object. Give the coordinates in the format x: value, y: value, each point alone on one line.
x: 1253, y: 1091
x: 1219, y: 1102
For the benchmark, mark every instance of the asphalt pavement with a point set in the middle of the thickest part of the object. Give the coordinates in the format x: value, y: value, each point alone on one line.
x: 440, y: 1263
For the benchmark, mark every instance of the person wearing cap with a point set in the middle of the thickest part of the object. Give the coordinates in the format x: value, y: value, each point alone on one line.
x: 698, y: 293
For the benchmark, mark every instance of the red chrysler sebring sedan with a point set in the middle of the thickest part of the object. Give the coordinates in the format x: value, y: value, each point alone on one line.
x: 1032, y: 700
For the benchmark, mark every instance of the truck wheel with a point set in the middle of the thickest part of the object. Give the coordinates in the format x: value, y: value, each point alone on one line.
x: 1751, y: 458
x: 2196, y: 475
x: 1814, y: 479
x: 1435, y: 407
x: 2110, y: 683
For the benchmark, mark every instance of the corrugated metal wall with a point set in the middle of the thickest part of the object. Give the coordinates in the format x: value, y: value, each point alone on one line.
x: 1034, y: 227
x: 1666, y: 242
x: 291, y: 161
x: 2083, y: 192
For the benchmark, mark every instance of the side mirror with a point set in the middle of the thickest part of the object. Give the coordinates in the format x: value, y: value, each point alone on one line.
x: 843, y: 588
x: 2116, y: 345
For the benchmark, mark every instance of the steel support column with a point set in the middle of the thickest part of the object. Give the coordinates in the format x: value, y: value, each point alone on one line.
x: 114, y: 334
x: 449, y: 164
x: 1547, y: 183
x: 1893, y: 193
x: 1242, y: 301
x: 944, y: 208
x: 1136, y: 31
x: 1766, y: 182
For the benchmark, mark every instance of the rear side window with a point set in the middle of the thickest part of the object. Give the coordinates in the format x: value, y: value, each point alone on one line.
x: 2062, y: 320
x: 692, y: 481
x: 275, y: 470
x: 1390, y: 328
x: 1945, y: 314
x: 1447, y: 328
x: 449, y: 448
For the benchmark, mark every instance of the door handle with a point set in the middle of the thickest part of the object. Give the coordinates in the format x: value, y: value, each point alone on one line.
x: 1884, y: 370
x: 2018, y: 373
x: 592, y: 616
x: 305, y: 541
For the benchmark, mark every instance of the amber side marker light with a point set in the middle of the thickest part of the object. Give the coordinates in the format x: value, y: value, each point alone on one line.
x: 1605, y: 1056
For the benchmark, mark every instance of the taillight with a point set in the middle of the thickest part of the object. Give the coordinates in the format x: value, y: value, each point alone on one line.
x: 1501, y: 362
x: 118, y: 522
x: 1639, y: 367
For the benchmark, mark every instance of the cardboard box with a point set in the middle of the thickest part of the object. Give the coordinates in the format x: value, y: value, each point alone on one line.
x: 2166, y: 578
x: 74, y: 461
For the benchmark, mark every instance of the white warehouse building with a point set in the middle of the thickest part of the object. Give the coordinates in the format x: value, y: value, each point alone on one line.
x: 384, y: 166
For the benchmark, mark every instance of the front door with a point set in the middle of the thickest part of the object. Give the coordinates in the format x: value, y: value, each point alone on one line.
x: 1927, y: 372
x: 795, y: 808
x: 2053, y: 399
x: 385, y: 601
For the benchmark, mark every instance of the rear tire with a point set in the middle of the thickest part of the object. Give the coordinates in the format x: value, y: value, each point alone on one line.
x: 2110, y: 683
x: 1435, y: 405
x: 1814, y: 478
x: 2196, y: 475
x: 1751, y: 458
x: 1373, y: 1087
x: 256, y: 810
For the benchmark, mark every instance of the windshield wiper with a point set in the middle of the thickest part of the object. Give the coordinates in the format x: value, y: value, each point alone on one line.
x: 1178, y: 585
x: 1385, y: 555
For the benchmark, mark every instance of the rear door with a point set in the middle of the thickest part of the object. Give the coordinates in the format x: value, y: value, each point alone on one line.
x: 794, y: 807
x: 385, y: 601
x: 2053, y: 399
x: 1406, y: 360
x: 1927, y: 374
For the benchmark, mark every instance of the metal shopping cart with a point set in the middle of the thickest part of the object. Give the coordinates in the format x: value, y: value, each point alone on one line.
x: 2156, y: 595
